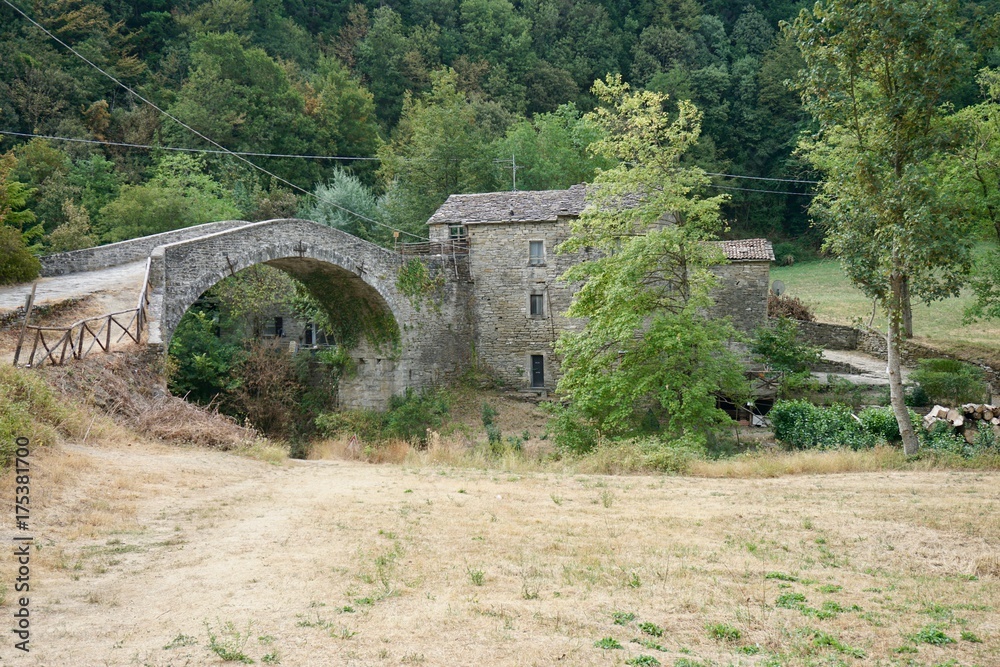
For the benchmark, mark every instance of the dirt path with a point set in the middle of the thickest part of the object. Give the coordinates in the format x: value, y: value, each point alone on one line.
x: 146, y: 552
x: 116, y: 288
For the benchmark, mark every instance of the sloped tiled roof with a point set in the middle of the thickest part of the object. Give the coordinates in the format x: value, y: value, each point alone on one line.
x: 748, y: 250
x: 547, y: 206
x: 515, y: 206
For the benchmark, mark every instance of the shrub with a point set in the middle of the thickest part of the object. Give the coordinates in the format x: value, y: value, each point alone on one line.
x: 788, y: 306
x: 17, y: 264
x: 570, y: 430
x: 779, y: 347
x: 802, y: 425
x: 950, y: 382
x: 28, y: 408
x: 880, y: 422
x: 408, y: 418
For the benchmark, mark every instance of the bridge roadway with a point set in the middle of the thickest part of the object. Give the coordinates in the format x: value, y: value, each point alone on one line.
x: 114, y: 288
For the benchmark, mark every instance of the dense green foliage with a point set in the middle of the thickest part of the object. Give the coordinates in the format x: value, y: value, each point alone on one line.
x: 801, y: 425
x: 408, y: 418
x: 951, y: 382
x: 779, y: 347
x: 646, y: 354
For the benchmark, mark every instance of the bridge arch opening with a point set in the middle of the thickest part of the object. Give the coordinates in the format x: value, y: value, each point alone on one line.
x: 221, y: 353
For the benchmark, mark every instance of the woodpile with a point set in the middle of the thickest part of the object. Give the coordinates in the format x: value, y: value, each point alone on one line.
x: 966, y: 419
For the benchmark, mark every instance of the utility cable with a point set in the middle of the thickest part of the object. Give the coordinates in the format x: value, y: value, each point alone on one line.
x: 183, y: 150
x: 199, y: 134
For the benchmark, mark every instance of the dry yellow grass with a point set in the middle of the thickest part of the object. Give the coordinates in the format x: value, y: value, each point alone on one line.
x: 336, y: 562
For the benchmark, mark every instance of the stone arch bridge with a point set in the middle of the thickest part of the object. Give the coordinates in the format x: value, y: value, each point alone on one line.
x: 413, y: 339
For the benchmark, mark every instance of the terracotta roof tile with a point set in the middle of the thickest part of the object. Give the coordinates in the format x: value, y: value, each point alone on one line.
x: 748, y: 250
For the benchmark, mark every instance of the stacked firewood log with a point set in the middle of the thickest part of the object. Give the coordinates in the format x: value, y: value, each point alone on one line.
x: 966, y: 419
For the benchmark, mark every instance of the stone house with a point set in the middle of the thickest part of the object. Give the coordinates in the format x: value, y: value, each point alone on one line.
x: 517, y: 301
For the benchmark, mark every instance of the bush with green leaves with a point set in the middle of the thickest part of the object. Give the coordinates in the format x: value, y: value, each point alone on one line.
x: 941, y: 437
x: 951, y: 382
x: 17, y: 264
x: 801, y: 425
x: 409, y: 416
x: 779, y: 347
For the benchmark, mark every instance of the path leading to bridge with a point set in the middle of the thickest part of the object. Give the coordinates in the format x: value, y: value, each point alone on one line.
x: 114, y: 289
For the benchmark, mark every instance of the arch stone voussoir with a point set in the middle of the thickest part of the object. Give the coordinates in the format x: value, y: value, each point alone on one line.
x: 434, y: 340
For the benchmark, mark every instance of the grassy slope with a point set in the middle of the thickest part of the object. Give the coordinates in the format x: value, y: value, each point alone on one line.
x: 823, y: 285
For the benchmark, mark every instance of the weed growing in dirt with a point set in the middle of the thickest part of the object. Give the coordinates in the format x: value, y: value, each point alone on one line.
x: 477, y: 577
x: 651, y: 629
x: 622, y: 617
x: 723, y: 632
x: 648, y: 643
x: 643, y: 660
x: 607, y: 643
x: 230, y: 645
x: 932, y: 634
x: 180, y: 640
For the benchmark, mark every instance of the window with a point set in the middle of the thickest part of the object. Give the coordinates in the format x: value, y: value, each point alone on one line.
x: 536, y: 304
x: 274, y: 328
x: 457, y: 232
x: 537, y: 370
x: 536, y: 253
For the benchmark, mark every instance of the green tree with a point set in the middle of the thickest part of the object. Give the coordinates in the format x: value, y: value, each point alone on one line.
x: 876, y: 75
x: 439, y: 148
x: 180, y: 194
x: 647, y: 345
x: 551, y: 150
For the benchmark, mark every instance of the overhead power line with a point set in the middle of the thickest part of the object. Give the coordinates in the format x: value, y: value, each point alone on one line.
x: 199, y: 134
x: 180, y: 149
x: 764, y: 178
x: 341, y: 157
x: 770, y: 192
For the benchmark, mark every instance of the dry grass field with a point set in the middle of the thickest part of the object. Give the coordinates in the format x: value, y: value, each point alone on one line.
x: 156, y: 555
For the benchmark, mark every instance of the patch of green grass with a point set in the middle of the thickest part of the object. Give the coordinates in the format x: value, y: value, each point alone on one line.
x: 968, y: 636
x: 648, y: 643
x: 477, y: 577
x: 752, y: 649
x: 271, y: 658
x: 822, y: 639
x: 830, y: 588
x: 824, y: 287
x: 932, y: 634
x: 790, y: 600
x: 688, y: 662
x: 723, y: 632
x: 622, y: 617
x: 607, y: 643
x: 643, y: 660
x: 780, y: 576
x: 651, y: 629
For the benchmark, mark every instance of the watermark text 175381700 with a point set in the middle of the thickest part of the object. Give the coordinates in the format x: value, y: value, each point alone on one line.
x: 22, y: 545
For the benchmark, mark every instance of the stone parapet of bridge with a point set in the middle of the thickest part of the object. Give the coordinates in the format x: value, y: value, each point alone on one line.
x: 125, y: 252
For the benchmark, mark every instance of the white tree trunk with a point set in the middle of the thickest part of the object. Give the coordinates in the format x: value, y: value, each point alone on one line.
x: 896, y: 397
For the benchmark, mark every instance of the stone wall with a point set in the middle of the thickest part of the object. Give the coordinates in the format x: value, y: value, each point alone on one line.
x: 742, y: 294
x: 123, y: 252
x: 830, y: 336
x: 506, y: 334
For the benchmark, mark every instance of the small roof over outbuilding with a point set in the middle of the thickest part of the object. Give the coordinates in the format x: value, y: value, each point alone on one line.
x: 748, y: 250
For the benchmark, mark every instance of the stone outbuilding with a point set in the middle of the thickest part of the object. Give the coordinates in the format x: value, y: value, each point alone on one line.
x: 517, y: 300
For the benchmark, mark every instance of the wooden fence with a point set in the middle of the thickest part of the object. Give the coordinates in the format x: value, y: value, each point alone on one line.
x: 56, y: 345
